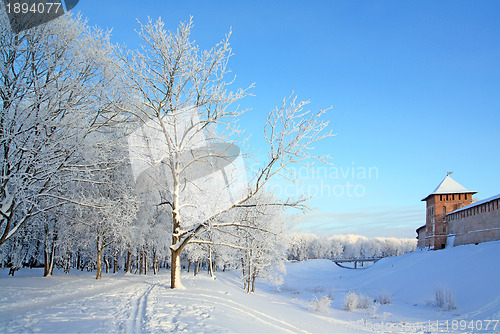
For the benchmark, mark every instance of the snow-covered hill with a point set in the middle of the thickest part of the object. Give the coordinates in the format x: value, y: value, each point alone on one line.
x: 471, y: 273
x: 134, y: 304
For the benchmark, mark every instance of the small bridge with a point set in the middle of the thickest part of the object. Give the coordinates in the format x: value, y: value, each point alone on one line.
x: 355, y: 262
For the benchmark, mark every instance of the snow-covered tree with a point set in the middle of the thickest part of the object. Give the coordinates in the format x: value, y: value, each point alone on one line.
x: 108, y: 189
x: 182, y: 98
x: 262, y: 237
x: 299, y: 246
x: 55, y: 88
x: 152, y: 226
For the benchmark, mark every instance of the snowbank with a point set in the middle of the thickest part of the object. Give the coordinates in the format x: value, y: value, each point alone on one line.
x: 471, y: 273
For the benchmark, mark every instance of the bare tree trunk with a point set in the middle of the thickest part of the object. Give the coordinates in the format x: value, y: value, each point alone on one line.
x: 99, y: 258
x: 67, y: 264
x: 254, y: 276
x: 12, y: 270
x: 249, y: 274
x: 47, y: 267
x: 176, y: 247
x: 115, y: 261
x: 197, y: 267
x: 145, y: 258
x: 128, y: 265
x: 106, y: 262
x: 175, y: 271
x: 210, y: 267
x: 155, y: 262
x: 82, y: 263
x: 141, y: 262
x: 243, y: 273
x: 189, y: 264
x: 49, y: 250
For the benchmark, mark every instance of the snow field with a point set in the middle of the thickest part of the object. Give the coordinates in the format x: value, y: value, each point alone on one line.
x: 470, y: 273
x: 145, y: 304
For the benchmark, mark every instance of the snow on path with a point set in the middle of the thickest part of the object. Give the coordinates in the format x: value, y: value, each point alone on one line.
x: 146, y: 304
x: 20, y: 306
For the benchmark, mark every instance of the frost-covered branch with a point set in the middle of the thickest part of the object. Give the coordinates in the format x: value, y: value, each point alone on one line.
x: 55, y: 91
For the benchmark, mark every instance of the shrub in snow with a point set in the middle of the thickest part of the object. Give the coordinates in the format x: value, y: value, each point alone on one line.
x: 350, y: 301
x: 353, y: 300
x: 384, y: 298
x: 363, y: 301
x: 321, y: 305
x: 445, y: 299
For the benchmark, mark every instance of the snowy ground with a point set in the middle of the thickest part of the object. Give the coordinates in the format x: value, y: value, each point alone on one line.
x: 134, y: 304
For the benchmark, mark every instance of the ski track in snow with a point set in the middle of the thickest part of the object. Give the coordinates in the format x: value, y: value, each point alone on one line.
x: 274, y: 322
x: 165, y: 315
x: 153, y: 311
x: 488, y: 309
x: 157, y: 312
x: 138, y: 316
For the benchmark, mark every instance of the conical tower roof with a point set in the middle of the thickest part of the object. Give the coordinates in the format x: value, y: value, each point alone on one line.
x: 450, y: 186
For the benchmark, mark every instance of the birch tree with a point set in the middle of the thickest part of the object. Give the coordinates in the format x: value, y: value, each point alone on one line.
x: 188, y: 125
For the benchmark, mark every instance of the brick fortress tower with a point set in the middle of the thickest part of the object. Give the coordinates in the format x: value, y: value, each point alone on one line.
x: 447, y: 197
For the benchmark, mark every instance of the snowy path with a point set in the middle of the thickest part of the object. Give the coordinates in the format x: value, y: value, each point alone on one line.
x: 154, y: 309
x: 53, y: 299
x: 146, y: 304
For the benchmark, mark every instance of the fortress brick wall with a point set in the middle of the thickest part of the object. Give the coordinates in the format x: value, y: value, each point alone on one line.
x: 479, y: 223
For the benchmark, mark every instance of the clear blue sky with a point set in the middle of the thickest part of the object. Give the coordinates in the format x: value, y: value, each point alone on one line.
x: 414, y: 85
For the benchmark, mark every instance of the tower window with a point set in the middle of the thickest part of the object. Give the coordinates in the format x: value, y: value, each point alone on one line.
x: 453, y: 197
x: 465, y: 196
x: 444, y: 210
x: 441, y: 197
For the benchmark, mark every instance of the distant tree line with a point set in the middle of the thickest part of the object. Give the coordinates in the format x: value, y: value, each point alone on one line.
x: 305, y: 246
